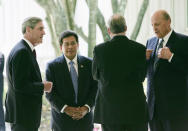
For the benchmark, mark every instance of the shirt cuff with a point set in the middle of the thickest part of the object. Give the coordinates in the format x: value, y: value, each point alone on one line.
x: 89, y: 109
x: 169, y: 60
x: 62, y: 110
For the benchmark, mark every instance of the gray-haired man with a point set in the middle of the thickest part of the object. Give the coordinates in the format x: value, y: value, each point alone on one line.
x: 25, y: 86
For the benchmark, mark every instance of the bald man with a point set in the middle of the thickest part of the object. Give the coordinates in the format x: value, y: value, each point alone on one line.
x: 167, y: 91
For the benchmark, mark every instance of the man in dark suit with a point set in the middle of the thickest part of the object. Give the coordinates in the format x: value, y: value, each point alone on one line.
x: 119, y: 65
x: 25, y: 87
x: 73, y: 96
x: 2, y: 121
x: 167, y: 76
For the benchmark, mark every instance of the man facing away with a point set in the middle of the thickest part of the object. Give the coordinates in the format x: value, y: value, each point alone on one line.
x: 119, y: 65
x: 73, y: 95
x: 167, y: 90
x: 2, y: 121
x: 25, y: 87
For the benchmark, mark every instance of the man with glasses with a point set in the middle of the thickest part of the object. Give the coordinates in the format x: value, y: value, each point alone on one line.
x: 73, y: 96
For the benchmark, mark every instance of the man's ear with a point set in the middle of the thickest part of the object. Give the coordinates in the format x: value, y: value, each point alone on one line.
x: 28, y: 29
x: 109, y: 32
x: 125, y: 28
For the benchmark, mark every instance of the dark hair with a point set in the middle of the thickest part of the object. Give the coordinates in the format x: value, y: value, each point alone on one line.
x: 66, y: 34
x: 117, y: 24
x: 31, y: 22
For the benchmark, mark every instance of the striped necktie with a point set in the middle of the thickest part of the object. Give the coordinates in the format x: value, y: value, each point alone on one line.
x: 74, y: 78
x: 156, y: 54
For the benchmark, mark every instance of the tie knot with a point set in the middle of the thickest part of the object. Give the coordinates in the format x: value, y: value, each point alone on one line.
x: 161, y: 44
x: 71, y: 63
x: 34, y: 53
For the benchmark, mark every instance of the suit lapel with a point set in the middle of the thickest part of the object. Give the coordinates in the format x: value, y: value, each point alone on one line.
x: 171, y: 40
x: 169, y: 44
x: 66, y: 73
x: 80, y: 75
x: 35, y: 63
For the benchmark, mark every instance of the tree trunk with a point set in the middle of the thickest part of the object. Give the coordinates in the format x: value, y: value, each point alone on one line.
x: 56, y: 20
x: 118, y: 7
x: 92, y: 26
x: 139, y: 19
x: 102, y: 25
x: 54, y: 36
x: 60, y: 17
x: 67, y: 4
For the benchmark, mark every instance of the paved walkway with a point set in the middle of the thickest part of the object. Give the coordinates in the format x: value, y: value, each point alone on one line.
x: 97, y: 127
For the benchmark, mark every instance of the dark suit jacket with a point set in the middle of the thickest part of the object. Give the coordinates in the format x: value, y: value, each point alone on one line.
x: 168, y: 84
x: 63, y: 92
x: 2, y: 122
x: 119, y: 65
x: 25, y: 88
x: 1, y: 75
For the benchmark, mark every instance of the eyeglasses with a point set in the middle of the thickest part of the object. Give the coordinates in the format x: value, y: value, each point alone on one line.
x: 72, y: 43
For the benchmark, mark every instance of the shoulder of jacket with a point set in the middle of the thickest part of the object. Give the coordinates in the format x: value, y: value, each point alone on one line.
x: 137, y: 44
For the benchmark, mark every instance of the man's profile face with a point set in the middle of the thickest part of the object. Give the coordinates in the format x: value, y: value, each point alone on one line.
x: 161, y: 27
x: 36, y: 34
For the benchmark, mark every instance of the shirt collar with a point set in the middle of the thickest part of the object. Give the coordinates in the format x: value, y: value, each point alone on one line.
x: 29, y: 43
x: 167, y: 36
x: 74, y: 60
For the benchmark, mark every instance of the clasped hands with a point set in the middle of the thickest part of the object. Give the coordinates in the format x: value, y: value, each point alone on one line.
x: 76, y: 113
x: 163, y: 53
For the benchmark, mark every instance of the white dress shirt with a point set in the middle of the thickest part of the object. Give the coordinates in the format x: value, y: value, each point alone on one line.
x: 29, y: 43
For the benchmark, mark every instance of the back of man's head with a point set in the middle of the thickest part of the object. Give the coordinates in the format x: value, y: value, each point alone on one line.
x: 117, y: 24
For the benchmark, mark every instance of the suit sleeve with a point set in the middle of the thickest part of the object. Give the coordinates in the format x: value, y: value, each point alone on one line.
x: 148, y: 62
x: 1, y: 71
x: 142, y: 66
x: 93, y: 92
x: 2, y: 63
x: 22, y: 75
x: 180, y: 60
x: 53, y: 97
x: 95, y: 70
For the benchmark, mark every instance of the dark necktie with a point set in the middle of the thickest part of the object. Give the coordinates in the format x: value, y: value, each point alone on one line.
x: 34, y: 53
x: 74, y: 78
x: 156, y: 53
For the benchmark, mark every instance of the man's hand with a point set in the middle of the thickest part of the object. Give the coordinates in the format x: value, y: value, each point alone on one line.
x: 148, y: 53
x: 164, y: 53
x: 47, y: 86
x: 70, y: 111
x: 76, y: 113
x: 83, y: 110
